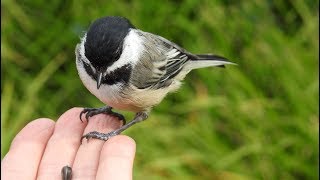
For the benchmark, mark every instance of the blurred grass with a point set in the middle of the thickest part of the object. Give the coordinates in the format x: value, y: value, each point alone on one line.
x: 259, y: 120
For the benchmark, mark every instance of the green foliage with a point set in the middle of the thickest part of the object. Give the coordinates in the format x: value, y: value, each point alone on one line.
x: 257, y: 120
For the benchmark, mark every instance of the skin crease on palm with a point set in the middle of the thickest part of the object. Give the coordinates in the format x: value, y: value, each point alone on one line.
x: 43, y: 147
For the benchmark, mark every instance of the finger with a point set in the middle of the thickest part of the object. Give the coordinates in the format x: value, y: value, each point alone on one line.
x: 116, y: 158
x: 63, y: 145
x: 26, y: 150
x: 87, y: 159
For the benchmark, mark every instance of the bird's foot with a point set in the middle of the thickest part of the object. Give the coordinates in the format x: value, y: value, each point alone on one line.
x: 89, y: 112
x: 140, y: 116
x: 98, y: 135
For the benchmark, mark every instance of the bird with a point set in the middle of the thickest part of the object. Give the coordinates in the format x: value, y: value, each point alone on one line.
x: 132, y: 70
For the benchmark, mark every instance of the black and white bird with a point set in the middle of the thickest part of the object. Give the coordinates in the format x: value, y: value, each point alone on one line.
x: 133, y: 70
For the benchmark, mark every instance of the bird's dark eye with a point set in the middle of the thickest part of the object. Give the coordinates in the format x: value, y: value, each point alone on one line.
x: 86, y: 64
x: 90, y: 71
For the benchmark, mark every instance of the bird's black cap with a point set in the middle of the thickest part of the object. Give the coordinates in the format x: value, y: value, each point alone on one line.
x: 104, y: 40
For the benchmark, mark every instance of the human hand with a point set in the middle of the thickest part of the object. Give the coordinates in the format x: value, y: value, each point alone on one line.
x: 43, y: 147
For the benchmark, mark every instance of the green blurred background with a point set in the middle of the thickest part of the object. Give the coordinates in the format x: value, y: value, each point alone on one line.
x: 257, y: 120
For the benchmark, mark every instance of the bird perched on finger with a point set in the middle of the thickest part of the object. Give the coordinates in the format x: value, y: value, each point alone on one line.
x: 129, y: 69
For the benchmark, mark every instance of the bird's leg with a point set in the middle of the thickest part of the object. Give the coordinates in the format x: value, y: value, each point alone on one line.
x: 103, y: 110
x: 140, y: 116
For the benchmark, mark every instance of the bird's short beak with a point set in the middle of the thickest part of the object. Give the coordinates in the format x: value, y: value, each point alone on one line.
x: 99, y: 80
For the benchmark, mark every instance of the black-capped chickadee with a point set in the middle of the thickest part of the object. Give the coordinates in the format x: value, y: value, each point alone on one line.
x: 130, y: 69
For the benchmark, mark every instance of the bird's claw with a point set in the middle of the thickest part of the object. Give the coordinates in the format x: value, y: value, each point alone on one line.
x: 85, y: 111
x: 89, y: 112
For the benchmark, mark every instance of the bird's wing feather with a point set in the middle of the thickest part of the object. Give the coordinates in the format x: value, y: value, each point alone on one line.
x: 160, y: 61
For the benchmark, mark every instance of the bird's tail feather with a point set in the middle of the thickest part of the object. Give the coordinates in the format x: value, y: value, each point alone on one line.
x: 206, y: 60
x: 210, y: 57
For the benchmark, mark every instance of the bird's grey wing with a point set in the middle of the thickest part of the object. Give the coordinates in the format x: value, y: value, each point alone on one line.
x: 160, y: 62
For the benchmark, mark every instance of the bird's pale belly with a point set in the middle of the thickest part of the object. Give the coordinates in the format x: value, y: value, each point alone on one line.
x: 123, y: 104
x: 130, y: 98
x: 111, y: 95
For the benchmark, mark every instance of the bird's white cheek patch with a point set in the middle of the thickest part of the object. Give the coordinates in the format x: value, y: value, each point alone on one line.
x: 132, y: 49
